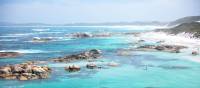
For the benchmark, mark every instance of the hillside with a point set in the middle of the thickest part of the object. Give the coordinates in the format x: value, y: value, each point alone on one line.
x: 193, y: 28
x: 188, y: 19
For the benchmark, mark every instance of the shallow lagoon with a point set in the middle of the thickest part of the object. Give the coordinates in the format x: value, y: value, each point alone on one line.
x: 141, y: 69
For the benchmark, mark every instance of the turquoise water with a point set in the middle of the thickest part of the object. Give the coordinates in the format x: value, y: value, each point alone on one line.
x: 139, y: 70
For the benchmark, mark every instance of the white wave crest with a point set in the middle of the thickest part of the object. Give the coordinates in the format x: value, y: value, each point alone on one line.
x: 26, y: 51
x: 7, y: 40
x: 41, y: 29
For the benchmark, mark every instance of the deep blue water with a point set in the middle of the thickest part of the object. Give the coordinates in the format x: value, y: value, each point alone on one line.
x: 131, y: 73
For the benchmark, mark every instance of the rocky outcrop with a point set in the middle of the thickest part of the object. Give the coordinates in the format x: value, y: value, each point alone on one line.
x: 188, y: 19
x: 91, y: 54
x: 191, y: 28
x: 9, y: 54
x: 168, y: 48
x: 24, y: 71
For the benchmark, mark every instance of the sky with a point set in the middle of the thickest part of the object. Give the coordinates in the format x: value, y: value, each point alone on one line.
x: 95, y: 11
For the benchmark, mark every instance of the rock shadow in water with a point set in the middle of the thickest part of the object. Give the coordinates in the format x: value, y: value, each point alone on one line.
x: 83, y: 74
x: 175, y: 67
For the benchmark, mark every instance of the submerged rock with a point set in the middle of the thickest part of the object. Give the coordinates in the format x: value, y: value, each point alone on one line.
x: 136, y: 34
x: 174, y: 67
x: 91, y: 54
x: 141, y: 40
x: 23, y: 78
x: 9, y: 54
x: 24, y: 71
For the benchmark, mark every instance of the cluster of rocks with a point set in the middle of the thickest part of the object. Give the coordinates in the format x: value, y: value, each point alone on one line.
x: 9, y: 54
x: 168, y: 48
x: 24, y: 71
x: 74, y: 68
x: 87, y: 35
x: 91, y: 54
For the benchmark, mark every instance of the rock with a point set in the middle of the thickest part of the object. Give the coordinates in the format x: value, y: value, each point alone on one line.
x: 47, y: 69
x: 27, y: 75
x: 5, y: 70
x: 27, y: 68
x: 141, y: 40
x: 34, y: 76
x: 195, y: 53
x: 91, y: 66
x: 160, y: 48
x: 9, y: 54
x: 38, y: 70
x: 147, y: 46
x: 91, y: 54
x: 176, y: 51
x: 23, y: 78
x: 24, y: 71
x: 43, y: 75
x: 10, y: 77
x: 72, y: 68
x: 113, y: 64
x: 80, y: 35
x: 17, y: 68
x: 95, y: 53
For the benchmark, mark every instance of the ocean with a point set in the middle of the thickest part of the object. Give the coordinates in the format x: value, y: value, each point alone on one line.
x: 139, y: 69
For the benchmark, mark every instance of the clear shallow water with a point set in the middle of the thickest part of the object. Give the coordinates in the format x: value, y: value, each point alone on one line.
x: 139, y: 70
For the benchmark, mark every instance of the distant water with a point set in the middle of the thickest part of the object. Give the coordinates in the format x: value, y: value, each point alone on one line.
x: 139, y: 70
